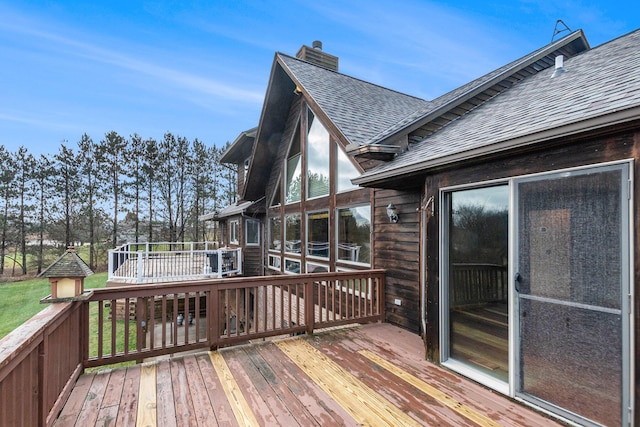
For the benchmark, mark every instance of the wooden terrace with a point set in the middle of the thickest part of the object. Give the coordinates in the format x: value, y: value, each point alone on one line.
x: 189, y: 373
x: 373, y: 374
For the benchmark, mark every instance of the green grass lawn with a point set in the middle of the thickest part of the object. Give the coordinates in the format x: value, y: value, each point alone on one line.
x: 19, y: 301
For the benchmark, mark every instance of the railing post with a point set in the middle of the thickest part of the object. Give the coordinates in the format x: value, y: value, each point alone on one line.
x: 239, y: 260
x: 140, y: 266
x: 219, y: 263
x: 111, y: 264
x: 213, y: 316
x: 309, y: 308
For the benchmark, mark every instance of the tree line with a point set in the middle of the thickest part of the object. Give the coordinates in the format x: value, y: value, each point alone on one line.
x: 102, y: 194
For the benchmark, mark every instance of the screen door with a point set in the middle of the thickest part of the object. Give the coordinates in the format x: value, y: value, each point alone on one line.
x: 572, y: 292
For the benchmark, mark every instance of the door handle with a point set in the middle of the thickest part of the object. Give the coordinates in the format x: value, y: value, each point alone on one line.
x: 517, y: 279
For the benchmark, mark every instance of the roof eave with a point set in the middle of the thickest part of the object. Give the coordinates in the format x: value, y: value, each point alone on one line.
x: 373, y: 151
x: 592, y: 124
x: 422, y: 120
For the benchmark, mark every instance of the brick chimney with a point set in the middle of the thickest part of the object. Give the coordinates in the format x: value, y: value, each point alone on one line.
x: 315, y: 55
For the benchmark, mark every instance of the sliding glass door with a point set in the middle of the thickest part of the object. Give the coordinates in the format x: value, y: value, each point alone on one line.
x: 536, y: 297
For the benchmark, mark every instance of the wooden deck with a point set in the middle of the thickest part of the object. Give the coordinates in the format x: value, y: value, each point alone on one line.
x: 365, y: 375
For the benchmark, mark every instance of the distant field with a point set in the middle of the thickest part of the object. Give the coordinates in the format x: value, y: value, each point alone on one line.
x: 19, y: 301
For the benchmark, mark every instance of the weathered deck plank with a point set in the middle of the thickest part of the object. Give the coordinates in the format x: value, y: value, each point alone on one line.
x: 374, y: 374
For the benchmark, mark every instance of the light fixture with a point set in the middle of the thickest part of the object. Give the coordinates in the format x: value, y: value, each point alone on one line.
x: 392, y: 213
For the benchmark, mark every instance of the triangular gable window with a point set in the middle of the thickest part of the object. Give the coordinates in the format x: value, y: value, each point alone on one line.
x: 293, y: 170
x: 346, y: 172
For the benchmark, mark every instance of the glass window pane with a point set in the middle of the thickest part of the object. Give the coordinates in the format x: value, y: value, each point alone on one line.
x: 478, y: 287
x: 275, y: 228
x: 318, y: 147
x: 252, y: 232
x: 292, y: 266
x: 233, y: 232
x: 346, y: 172
x: 292, y: 234
x: 354, y: 234
x: 318, y: 234
x: 293, y: 167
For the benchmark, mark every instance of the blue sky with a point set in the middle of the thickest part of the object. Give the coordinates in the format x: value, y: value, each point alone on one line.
x: 199, y: 69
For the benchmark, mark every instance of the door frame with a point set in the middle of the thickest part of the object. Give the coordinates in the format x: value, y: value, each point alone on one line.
x: 628, y: 324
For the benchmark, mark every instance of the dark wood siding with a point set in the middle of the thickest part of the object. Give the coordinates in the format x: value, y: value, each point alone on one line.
x: 397, y: 249
x: 252, y: 261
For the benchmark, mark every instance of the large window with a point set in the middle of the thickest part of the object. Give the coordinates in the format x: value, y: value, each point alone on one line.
x: 318, y: 234
x: 293, y: 170
x: 478, y: 226
x: 346, y: 172
x: 354, y: 234
x: 234, y: 232
x: 292, y: 243
x: 252, y: 232
x: 275, y: 233
x: 318, y: 147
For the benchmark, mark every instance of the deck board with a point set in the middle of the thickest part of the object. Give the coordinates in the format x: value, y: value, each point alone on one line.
x: 373, y: 374
x: 165, y: 410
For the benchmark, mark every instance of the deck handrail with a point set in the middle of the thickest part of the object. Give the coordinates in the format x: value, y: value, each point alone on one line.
x: 41, y: 360
x: 164, y: 261
x: 39, y: 364
x: 158, y: 319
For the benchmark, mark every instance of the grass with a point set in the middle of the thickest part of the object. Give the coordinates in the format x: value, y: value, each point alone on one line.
x: 19, y: 301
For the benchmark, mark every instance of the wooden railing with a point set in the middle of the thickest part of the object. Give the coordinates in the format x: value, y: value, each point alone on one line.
x: 473, y: 284
x: 136, y: 322
x: 39, y: 363
x: 165, y: 261
x: 41, y: 360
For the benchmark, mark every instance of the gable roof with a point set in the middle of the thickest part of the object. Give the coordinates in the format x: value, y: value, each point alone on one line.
x: 356, y: 111
x: 68, y: 265
x: 600, y: 87
x: 360, y: 110
x: 241, y: 148
x: 459, y: 101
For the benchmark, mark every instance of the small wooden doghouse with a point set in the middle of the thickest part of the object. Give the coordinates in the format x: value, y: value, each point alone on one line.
x: 66, y: 276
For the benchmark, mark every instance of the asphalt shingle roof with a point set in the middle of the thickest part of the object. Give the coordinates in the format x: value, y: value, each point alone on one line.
x: 361, y: 111
x: 68, y: 265
x: 598, y: 82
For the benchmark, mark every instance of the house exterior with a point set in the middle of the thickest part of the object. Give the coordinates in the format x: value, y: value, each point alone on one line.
x: 240, y: 224
x: 503, y: 213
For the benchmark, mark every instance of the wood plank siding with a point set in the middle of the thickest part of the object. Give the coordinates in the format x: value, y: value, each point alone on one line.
x: 397, y: 250
x: 369, y: 375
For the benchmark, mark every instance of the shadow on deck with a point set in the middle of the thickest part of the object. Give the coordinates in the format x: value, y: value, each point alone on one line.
x: 365, y: 375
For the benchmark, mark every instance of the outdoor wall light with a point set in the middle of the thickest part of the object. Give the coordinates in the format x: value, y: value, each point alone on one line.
x: 392, y: 213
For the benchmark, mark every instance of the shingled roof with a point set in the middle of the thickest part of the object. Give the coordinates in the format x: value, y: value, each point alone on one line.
x: 68, y: 265
x: 600, y: 87
x: 356, y: 111
x: 360, y: 110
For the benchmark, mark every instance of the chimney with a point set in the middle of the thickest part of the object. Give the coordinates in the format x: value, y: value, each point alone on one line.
x: 559, y: 66
x: 317, y: 56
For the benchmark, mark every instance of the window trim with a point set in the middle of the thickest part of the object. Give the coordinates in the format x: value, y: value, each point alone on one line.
x: 234, y: 231
x: 246, y: 232
x: 337, y: 230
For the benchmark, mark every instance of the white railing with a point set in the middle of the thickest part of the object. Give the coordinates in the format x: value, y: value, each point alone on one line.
x: 168, y: 261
